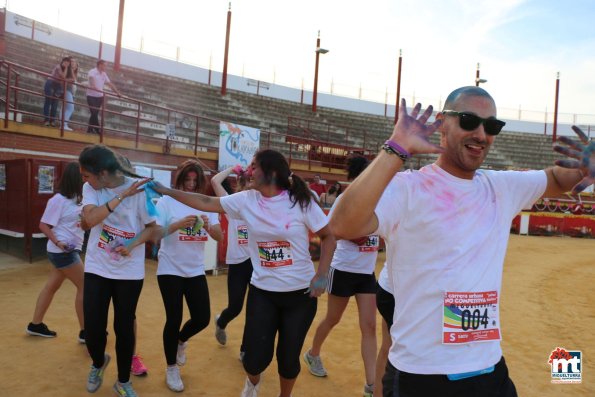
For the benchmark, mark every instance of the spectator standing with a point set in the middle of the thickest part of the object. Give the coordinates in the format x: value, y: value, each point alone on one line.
x: 181, y: 269
x: 98, y: 79
x: 53, y: 91
x: 318, y: 187
x: 447, y: 226
x: 328, y: 198
x: 60, y: 222
x: 72, y: 78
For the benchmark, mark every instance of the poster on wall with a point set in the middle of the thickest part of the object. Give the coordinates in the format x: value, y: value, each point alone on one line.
x: 45, y: 179
x: 237, y: 144
x: 2, y: 176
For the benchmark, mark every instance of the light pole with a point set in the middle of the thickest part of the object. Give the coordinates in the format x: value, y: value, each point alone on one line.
x: 225, y: 58
x: 477, y: 79
x: 318, y: 52
x: 119, y: 36
x: 554, y: 137
x: 398, y: 86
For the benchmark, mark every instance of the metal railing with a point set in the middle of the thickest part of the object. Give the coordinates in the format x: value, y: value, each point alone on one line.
x: 144, y: 122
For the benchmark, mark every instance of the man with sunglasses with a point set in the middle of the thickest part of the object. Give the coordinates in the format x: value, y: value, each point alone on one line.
x: 446, y: 227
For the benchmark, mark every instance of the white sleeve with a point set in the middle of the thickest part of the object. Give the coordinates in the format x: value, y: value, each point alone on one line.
x: 213, y: 218
x: 162, y: 212
x: 90, y: 195
x: 391, y: 206
x: 233, y: 204
x: 314, y: 217
x: 520, y: 189
x: 53, y: 210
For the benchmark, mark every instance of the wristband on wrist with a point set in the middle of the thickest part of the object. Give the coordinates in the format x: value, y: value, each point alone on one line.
x: 108, y: 207
x: 119, y: 197
x: 394, y: 148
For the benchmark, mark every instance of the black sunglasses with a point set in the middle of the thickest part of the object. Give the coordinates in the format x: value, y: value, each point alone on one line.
x: 469, y: 122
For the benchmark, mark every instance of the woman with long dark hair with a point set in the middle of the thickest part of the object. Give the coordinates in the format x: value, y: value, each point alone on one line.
x: 181, y: 269
x: 237, y: 257
x: 60, y: 222
x: 72, y: 78
x: 278, y: 210
x: 53, y: 90
x: 115, y: 261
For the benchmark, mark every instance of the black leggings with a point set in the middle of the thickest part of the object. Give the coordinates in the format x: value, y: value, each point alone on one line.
x: 238, y: 279
x: 97, y: 293
x: 288, y: 313
x: 397, y: 383
x: 385, y: 302
x: 95, y: 104
x: 173, y: 290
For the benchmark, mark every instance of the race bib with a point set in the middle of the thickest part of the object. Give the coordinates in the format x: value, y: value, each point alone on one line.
x: 242, y: 235
x: 371, y: 244
x: 470, y: 317
x: 192, y: 235
x: 108, y: 234
x: 275, y: 253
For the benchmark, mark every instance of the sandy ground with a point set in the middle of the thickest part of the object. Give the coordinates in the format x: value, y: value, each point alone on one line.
x: 548, y: 284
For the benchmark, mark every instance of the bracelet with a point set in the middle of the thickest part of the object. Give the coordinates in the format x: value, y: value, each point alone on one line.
x: 394, y: 148
x: 108, y: 208
x: 119, y: 197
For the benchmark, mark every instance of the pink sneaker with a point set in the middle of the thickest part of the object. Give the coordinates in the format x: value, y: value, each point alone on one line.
x: 138, y: 367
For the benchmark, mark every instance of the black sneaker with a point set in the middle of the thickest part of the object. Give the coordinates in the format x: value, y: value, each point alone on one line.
x: 82, y: 336
x: 40, y: 330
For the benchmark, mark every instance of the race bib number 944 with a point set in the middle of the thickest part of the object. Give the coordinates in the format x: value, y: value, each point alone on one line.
x: 274, y: 253
x: 470, y: 317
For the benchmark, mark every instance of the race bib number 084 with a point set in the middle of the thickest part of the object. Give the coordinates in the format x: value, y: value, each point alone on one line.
x: 274, y: 253
x: 470, y: 317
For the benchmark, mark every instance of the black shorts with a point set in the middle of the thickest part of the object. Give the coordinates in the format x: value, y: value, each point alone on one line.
x: 346, y: 284
x: 404, y: 384
x: 385, y: 302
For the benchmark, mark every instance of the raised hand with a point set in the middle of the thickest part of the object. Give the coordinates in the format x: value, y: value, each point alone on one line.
x: 135, y: 188
x: 412, y: 133
x: 583, y: 153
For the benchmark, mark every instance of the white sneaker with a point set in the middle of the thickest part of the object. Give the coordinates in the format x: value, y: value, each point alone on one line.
x: 173, y: 379
x: 250, y: 390
x: 181, y: 355
x: 67, y: 128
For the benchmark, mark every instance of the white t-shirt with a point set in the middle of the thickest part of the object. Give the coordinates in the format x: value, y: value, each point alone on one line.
x: 449, y: 235
x: 182, y: 252
x: 278, y: 242
x: 126, y: 222
x: 356, y: 258
x: 64, y: 215
x: 237, y: 241
x: 100, y: 78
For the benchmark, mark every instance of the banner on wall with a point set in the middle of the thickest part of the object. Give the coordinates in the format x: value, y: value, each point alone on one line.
x: 237, y: 144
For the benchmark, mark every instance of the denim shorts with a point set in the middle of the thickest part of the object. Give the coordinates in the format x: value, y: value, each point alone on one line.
x: 64, y: 259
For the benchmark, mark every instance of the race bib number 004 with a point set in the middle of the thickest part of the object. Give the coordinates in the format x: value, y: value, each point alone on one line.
x: 275, y: 253
x: 470, y: 317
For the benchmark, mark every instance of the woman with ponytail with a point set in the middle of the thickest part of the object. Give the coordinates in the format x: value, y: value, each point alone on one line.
x: 278, y: 210
x: 120, y: 224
